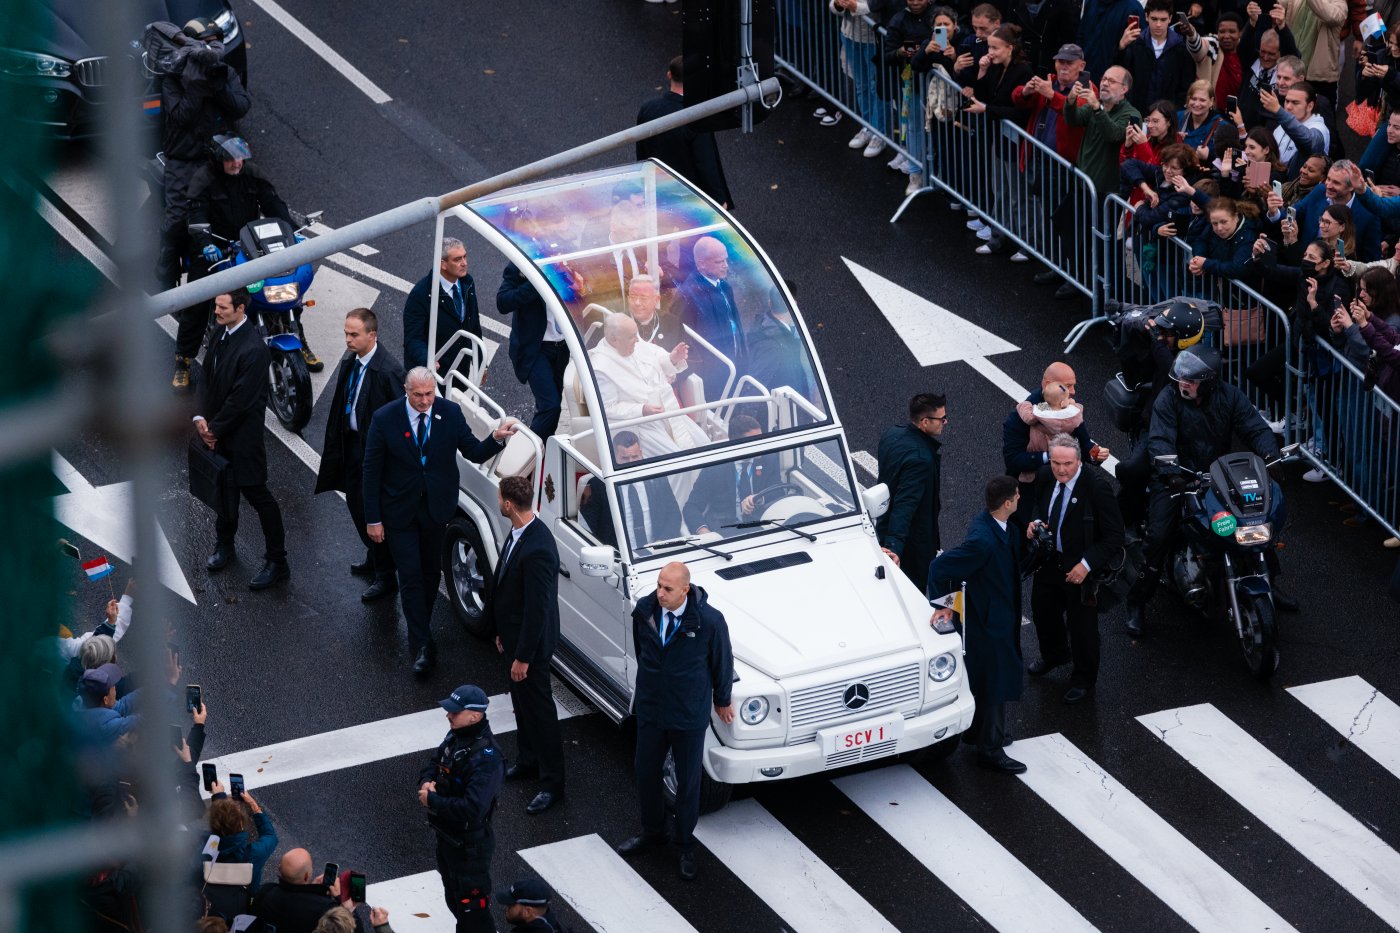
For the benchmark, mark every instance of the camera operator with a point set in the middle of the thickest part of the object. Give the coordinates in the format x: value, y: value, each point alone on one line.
x: 1197, y: 423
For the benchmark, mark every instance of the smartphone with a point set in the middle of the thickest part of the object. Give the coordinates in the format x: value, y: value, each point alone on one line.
x: 1232, y: 103
x: 177, y: 736
x: 235, y: 786
x: 940, y: 36
x: 357, y: 887
x: 1292, y: 214
x: 1135, y: 121
x: 211, y: 774
x: 329, y: 875
x: 193, y: 698
x: 1278, y: 188
x: 1370, y: 175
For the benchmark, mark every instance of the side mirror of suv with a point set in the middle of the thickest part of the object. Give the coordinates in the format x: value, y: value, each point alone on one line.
x: 597, y: 561
x: 876, y: 499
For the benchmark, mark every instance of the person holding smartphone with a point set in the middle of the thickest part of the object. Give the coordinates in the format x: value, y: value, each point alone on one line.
x: 233, y: 822
x: 299, y: 896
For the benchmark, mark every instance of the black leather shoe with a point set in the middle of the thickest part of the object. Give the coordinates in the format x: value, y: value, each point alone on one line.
x: 640, y: 844
x: 687, y: 866
x: 1066, y: 291
x: 1133, y: 621
x: 219, y: 559
x: 517, y: 771
x: 380, y: 588
x: 1283, y: 600
x: 543, y: 801
x: 1003, y: 763
x: 1041, y: 667
x: 423, y: 663
x: 1078, y: 695
x: 272, y: 573
x: 363, y: 569
x: 1045, y: 278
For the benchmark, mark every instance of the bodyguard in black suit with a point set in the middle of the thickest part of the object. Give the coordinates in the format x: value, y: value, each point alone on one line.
x: 1081, y: 512
x: 411, y: 493
x: 649, y: 507
x: 706, y: 304
x: 233, y: 396
x: 367, y: 379
x: 690, y: 152
x: 457, y: 310
x: 523, y: 606
x: 537, y: 351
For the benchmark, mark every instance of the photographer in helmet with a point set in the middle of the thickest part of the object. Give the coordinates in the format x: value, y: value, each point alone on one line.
x: 1197, y: 422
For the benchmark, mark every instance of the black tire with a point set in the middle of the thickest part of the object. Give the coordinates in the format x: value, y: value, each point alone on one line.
x: 289, y: 385
x: 1259, y: 635
x: 933, y: 754
x: 465, y: 566
x: 713, y: 794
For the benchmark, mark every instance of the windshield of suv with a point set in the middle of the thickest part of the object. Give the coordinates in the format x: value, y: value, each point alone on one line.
x: 675, y: 308
x: 784, y: 488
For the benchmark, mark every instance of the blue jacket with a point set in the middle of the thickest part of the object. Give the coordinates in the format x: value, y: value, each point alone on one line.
x: 910, y: 466
x: 1368, y: 227
x: 1228, y: 258
x: 678, y: 683
x: 713, y: 313
x: 109, y: 724
x: 238, y: 849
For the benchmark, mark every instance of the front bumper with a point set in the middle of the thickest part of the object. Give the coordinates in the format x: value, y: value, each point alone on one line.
x: 745, y: 766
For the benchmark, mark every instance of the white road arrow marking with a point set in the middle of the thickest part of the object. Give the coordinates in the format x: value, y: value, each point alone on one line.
x: 102, y: 515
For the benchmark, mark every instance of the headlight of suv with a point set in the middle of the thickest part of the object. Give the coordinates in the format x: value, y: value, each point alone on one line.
x: 279, y: 294
x: 942, y: 667
x: 754, y: 710
x: 228, y: 25
x: 33, y: 65
x: 1253, y: 534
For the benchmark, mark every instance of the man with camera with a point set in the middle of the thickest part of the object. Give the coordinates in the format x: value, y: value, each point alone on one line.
x: 1075, y: 529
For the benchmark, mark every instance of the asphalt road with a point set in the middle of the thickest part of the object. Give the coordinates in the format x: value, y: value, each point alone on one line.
x: 477, y: 91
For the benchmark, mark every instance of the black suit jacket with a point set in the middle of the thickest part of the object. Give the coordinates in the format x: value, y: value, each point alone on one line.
x: 661, y: 507
x: 382, y: 383
x: 1016, y: 438
x: 714, y: 499
x: 703, y: 308
x: 1092, y: 528
x: 396, y: 479
x: 518, y: 297
x: 692, y: 153
x: 415, y: 321
x: 523, y: 598
x: 233, y: 397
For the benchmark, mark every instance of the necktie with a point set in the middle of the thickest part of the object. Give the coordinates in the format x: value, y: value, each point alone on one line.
x: 636, y: 518
x: 356, y: 370
x: 215, y: 353
x: 670, y: 628
x: 505, y: 555
x: 730, y: 318
x: 1057, y: 509
x: 457, y: 301
x: 741, y: 483
x: 422, y: 435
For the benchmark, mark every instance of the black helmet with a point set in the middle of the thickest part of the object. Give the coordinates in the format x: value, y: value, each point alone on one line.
x: 229, y: 148
x: 1198, y: 364
x: 202, y: 27
x: 1183, y: 319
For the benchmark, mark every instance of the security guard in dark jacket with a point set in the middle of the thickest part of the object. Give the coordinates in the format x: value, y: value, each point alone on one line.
x: 458, y: 788
x: 1197, y: 422
x: 527, y: 907
x: 684, y: 666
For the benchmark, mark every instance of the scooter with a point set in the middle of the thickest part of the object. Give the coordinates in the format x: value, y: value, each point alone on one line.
x: 1230, y: 515
x: 277, y: 303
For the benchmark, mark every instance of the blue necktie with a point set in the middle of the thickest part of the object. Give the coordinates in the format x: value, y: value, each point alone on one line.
x: 670, y: 628
x: 422, y: 435
x: 457, y: 301
x: 355, y: 371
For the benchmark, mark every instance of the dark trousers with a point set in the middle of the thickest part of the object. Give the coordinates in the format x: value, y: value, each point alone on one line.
x: 193, y: 322
x: 1163, y: 517
x: 466, y: 880
x: 269, y: 516
x: 1268, y: 373
x: 353, y: 448
x: 539, y: 743
x: 1065, y: 627
x: 988, y: 727
x: 417, y: 553
x: 1134, y: 474
x: 174, y: 238
x: 546, y: 381
x: 686, y: 747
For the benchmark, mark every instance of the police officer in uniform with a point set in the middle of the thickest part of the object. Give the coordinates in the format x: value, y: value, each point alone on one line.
x: 458, y: 788
x: 527, y: 907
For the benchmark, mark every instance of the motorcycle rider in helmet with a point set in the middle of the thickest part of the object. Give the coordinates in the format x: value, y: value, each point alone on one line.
x: 1197, y: 422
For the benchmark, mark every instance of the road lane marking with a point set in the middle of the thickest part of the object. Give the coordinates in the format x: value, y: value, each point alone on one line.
x: 362, y: 744
x: 415, y: 903
x: 976, y: 867
x: 1145, y: 845
x: 330, y: 55
x: 866, y: 462
x: 1362, y: 714
x: 785, y: 874
x: 360, y: 249
x: 604, y: 890
x: 1324, y: 833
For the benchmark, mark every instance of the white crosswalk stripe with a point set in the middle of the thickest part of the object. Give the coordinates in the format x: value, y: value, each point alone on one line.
x: 1359, y: 711
x: 1139, y: 840
x: 602, y: 888
x: 1328, y: 836
x: 415, y: 903
x: 977, y: 868
x: 805, y: 892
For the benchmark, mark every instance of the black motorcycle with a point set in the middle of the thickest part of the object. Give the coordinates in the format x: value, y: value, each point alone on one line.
x: 1230, y: 515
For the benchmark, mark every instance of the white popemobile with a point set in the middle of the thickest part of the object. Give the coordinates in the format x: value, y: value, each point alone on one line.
x: 835, y: 661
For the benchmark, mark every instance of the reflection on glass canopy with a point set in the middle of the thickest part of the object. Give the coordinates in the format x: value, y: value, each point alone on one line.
x: 686, y: 331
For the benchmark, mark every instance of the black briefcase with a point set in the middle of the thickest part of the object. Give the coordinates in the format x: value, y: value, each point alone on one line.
x: 211, y: 477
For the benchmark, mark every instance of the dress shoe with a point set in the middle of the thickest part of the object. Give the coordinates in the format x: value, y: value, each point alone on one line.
x: 641, y: 843
x: 1047, y: 277
x: 543, y: 801
x: 219, y: 559
x: 517, y: 771
x: 1133, y: 620
x: 1003, y: 763
x: 363, y: 569
x: 1041, y: 667
x: 272, y: 573
x: 381, y: 587
x: 1066, y: 291
x: 1078, y: 695
x: 1283, y: 600
x: 687, y: 866
x: 423, y: 663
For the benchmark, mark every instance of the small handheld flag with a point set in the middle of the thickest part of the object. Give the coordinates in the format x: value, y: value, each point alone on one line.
x: 97, y: 568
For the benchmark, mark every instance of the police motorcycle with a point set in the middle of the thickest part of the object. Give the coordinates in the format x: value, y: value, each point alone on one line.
x: 276, y: 304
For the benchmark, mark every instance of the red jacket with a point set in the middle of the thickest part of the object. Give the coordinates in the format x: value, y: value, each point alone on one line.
x: 1067, y: 138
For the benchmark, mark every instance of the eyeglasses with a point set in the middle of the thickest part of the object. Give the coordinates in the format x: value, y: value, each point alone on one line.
x: 943, y: 419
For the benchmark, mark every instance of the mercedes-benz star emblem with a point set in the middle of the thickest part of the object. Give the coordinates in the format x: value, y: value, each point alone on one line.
x: 856, y: 696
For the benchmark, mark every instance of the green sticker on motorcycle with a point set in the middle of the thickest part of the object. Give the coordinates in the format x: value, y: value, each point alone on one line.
x: 1223, y: 524
x: 255, y: 287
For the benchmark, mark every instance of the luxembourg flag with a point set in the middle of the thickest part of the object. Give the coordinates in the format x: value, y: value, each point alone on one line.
x: 97, y: 569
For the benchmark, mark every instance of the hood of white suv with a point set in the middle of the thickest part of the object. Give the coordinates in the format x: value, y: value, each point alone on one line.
x: 810, y: 616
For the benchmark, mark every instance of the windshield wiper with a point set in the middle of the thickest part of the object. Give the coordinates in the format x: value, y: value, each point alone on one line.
x: 760, y: 522
x: 691, y: 540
